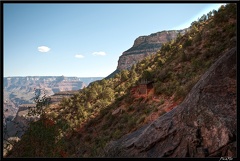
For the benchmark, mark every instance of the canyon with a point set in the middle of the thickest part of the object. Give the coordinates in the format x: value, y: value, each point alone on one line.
x: 19, y: 94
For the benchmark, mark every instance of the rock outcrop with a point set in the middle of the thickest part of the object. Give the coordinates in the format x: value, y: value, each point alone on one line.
x: 144, y: 46
x: 57, y: 97
x: 203, y: 125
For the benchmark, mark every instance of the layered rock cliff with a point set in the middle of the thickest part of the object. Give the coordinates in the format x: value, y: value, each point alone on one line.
x: 57, y: 97
x: 203, y: 125
x: 20, y: 90
x: 52, y: 84
x: 144, y: 46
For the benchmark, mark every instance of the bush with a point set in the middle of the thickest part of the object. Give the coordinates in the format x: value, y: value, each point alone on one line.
x: 184, y: 57
x: 124, y: 118
x: 88, y: 138
x: 130, y: 108
x: 147, y: 110
x: 187, y: 43
x: 132, y: 123
x: 141, y: 119
x: 162, y: 101
x: 117, y: 134
x: 197, y: 38
x: 158, y: 87
x: 180, y: 93
x: 121, y: 126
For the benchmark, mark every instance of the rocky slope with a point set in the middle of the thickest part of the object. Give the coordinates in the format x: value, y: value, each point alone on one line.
x: 144, y: 46
x: 203, y: 125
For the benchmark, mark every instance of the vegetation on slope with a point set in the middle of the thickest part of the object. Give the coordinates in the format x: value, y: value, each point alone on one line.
x: 82, y: 125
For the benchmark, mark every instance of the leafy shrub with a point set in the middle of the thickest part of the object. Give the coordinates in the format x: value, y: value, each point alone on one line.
x: 157, y: 87
x: 117, y: 134
x: 196, y: 64
x: 132, y: 123
x: 162, y: 101
x: 180, y: 93
x: 141, y: 119
x: 197, y: 38
x: 130, y: 108
x: 184, y: 57
x: 147, y: 110
x: 187, y: 43
x: 88, y: 138
x: 124, y: 118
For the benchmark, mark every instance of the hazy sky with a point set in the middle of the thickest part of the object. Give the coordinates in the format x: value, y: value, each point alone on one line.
x: 83, y: 40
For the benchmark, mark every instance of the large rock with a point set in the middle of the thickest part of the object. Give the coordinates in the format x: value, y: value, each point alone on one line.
x: 57, y: 97
x: 203, y: 125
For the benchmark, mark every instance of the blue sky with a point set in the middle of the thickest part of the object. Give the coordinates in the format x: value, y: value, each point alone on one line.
x: 83, y: 40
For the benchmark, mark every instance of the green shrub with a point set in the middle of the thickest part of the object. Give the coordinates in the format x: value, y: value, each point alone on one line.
x: 155, y: 109
x: 187, y: 43
x: 130, y: 108
x: 121, y: 126
x: 197, y: 64
x: 197, y: 38
x: 162, y: 101
x: 106, y: 125
x: 88, y: 138
x: 117, y: 134
x: 147, y: 110
x: 132, y: 123
x: 180, y: 93
x: 183, y: 57
x: 141, y: 119
x: 158, y: 86
x: 124, y: 118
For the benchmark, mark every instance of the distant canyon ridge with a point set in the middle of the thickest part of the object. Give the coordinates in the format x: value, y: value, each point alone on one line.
x: 20, y: 90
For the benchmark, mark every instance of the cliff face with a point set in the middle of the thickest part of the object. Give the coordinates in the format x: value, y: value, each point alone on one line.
x: 203, y: 125
x: 144, y: 46
x: 20, y: 90
x: 57, y: 97
x: 29, y: 83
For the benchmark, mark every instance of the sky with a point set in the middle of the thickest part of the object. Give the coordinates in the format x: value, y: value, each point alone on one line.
x: 83, y: 40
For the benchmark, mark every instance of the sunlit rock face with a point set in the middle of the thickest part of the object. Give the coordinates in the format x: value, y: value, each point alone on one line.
x: 144, y: 46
